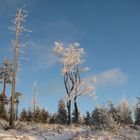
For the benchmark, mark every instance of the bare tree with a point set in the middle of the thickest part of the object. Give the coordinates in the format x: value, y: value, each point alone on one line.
x: 17, y: 28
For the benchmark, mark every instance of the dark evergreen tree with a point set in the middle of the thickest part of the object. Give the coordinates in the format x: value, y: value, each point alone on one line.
x: 5, y: 78
x: 52, y: 118
x: 102, y: 120
x: 96, y: 113
x: 23, y: 115
x: 37, y: 115
x: 62, y: 112
x: 87, y: 119
x: 75, y: 116
x: 44, y: 116
x: 29, y: 115
x: 137, y: 112
x: 3, y: 112
x: 113, y: 112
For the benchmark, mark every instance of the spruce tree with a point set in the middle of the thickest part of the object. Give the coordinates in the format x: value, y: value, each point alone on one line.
x: 102, y: 120
x: 37, y: 115
x: 95, y: 120
x: 62, y: 112
x: 87, y: 118
x: 5, y: 78
x: 3, y: 112
x: 53, y: 118
x: 29, y: 115
x: 44, y: 116
x: 137, y: 116
x: 113, y: 112
x: 23, y: 115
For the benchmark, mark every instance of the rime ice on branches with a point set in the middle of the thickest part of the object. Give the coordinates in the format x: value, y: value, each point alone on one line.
x: 71, y: 59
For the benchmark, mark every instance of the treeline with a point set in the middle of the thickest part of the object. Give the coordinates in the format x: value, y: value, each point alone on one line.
x: 103, y: 117
x: 108, y: 117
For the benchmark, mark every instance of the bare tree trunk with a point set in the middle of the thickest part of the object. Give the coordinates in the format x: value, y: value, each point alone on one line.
x: 69, y: 111
x: 34, y: 101
x: 17, y: 110
x: 11, y: 122
x: 3, y: 95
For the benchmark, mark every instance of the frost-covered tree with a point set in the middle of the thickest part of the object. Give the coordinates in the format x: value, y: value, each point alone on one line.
x: 71, y: 60
x: 137, y: 112
x: 62, y: 112
x: 113, y: 112
x: 84, y: 88
x: 102, y: 120
x: 124, y: 112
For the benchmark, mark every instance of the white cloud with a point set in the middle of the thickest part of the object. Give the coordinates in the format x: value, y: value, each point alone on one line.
x: 43, y: 57
x: 111, y: 77
x: 47, y: 58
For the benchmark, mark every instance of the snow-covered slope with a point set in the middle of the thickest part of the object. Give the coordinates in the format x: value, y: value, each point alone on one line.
x: 26, y: 131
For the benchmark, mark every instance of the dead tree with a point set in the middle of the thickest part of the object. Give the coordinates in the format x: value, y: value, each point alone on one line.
x: 18, y: 28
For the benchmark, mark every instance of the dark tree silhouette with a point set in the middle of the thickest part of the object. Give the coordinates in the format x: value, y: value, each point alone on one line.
x: 5, y: 77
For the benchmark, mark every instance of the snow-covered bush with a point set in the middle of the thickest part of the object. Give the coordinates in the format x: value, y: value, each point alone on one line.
x: 124, y: 113
x: 101, y: 119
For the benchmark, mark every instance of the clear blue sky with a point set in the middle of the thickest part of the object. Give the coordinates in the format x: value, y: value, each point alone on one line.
x: 108, y: 30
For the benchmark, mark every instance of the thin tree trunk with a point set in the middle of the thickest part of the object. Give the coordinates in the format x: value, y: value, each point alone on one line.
x: 17, y: 110
x: 69, y: 111
x: 76, y: 108
x: 3, y: 95
x: 34, y: 101
x: 11, y: 122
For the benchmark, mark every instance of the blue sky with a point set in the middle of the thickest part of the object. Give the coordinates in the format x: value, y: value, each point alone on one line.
x: 108, y: 30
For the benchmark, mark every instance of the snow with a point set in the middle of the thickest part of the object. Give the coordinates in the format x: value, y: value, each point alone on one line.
x: 26, y: 131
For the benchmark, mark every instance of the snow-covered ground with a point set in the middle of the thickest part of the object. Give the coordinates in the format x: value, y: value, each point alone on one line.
x: 58, y: 132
